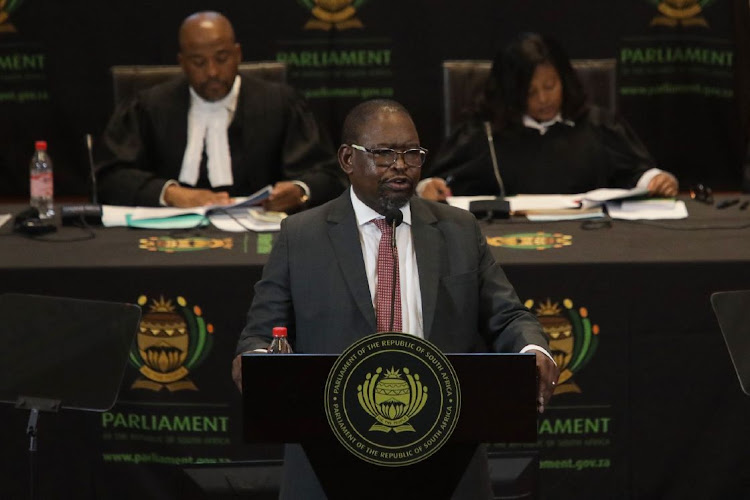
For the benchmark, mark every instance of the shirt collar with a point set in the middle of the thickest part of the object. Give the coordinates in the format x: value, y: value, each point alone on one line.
x: 228, y: 102
x: 365, y: 214
x: 542, y: 127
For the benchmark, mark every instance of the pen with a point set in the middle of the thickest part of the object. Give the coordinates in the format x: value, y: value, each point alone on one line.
x: 744, y: 205
x: 448, y: 179
x: 727, y: 203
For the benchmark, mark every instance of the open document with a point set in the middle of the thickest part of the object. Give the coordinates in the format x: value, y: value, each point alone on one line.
x: 244, y: 213
x: 539, y: 207
x: 620, y: 203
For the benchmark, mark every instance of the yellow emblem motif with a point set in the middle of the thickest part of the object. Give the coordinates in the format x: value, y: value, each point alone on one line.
x: 391, y: 400
x: 685, y: 12
x: 384, y: 415
x: 329, y: 14
x: 168, y: 244
x: 572, y: 339
x: 531, y: 241
x: 6, y: 9
x: 168, y: 344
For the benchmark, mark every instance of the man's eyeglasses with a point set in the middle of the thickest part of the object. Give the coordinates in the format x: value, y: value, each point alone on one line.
x: 385, y: 157
x: 703, y: 193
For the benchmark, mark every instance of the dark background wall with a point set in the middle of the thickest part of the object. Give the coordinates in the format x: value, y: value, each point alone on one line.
x: 696, y: 136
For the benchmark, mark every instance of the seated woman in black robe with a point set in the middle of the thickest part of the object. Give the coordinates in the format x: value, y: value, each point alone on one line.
x: 534, y: 133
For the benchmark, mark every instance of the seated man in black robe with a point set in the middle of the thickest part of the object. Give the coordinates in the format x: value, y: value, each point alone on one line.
x: 213, y: 134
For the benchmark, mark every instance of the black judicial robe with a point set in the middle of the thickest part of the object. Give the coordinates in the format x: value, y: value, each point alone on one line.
x: 599, y: 151
x: 273, y: 137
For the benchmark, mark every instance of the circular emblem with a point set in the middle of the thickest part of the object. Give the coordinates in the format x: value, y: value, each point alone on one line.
x: 392, y: 399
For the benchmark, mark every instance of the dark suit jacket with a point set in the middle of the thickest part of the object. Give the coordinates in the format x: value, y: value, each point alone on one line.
x: 315, y: 284
x: 273, y: 136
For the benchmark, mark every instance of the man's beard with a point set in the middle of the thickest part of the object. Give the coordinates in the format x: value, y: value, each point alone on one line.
x: 387, y: 203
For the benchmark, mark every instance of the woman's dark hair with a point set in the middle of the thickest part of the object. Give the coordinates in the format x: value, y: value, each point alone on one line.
x: 505, y: 96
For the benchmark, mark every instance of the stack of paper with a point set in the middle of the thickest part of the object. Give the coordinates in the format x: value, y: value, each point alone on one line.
x: 626, y: 203
x: 600, y: 196
x: 648, y: 209
x: 253, y: 219
x: 241, y: 215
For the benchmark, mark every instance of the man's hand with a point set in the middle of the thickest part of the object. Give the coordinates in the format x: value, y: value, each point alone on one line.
x: 185, y: 197
x: 548, y: 375
x: 436, y: 190
x: 237, y: 371
x: 664, y: 184
x: 285, y: 197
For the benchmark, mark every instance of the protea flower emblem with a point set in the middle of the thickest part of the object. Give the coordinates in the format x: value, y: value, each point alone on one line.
x: 391, y: 399
x: 572, y: 337
x: 173, y: 339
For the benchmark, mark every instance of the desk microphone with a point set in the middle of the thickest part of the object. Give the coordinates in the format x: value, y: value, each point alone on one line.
x: 393, y: 218
x: 92, y: 170
x: 85, y: 213
x: 493, y: 156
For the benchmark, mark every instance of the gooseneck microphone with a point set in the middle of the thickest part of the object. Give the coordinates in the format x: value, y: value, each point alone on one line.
x: 86, y: 214
x: 393, y: 218
x: 92, y: 170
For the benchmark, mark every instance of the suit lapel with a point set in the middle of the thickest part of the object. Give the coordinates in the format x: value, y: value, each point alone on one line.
x: 342, y: 230
x: 429, y: 250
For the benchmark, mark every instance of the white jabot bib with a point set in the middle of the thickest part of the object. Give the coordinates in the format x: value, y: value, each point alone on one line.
x: 542, y: 127
x: 207, y: 125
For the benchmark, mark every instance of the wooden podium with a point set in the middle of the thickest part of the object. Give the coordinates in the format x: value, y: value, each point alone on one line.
x: 283, y: 401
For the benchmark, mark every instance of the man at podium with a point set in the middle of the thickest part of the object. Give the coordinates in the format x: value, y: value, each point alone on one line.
x: 329, y: 278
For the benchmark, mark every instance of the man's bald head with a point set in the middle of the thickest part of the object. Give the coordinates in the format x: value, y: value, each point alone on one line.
x: 209, y: 54
x: 358, y: 117
x: 202, y: 26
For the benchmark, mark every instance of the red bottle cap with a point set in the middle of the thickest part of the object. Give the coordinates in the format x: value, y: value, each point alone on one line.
x: 279, y: 331
x: 41, y: 145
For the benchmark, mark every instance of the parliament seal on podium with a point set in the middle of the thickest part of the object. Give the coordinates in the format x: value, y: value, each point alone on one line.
x: 392, y: 399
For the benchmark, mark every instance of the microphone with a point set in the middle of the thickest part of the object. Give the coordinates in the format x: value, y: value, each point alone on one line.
x: 85, y: 213
x: 393, y: 218
x: 92, y: 172
x: 493, y: 156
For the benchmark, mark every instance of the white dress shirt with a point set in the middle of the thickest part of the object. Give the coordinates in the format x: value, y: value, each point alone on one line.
x: 369, y: 238
x: 411, y: 297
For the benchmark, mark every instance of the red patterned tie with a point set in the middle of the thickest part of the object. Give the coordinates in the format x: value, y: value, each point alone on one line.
x: 387, y: 262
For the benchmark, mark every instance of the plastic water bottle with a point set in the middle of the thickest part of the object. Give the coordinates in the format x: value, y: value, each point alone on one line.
x: 41, y: 181
x: 280, y: 344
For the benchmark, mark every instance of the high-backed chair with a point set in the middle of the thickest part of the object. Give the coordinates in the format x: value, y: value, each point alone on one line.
x: 128, y: 80
x: 464, y: 81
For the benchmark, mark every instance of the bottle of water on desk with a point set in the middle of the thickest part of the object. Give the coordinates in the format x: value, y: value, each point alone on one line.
x: 279, y: 344
x: 41, y: 181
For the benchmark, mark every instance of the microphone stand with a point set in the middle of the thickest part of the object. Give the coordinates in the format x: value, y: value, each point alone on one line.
x: 394, y: 218
x: 84, y: 214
